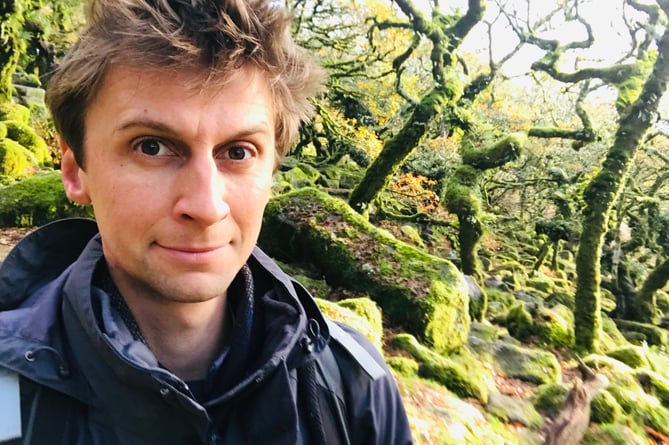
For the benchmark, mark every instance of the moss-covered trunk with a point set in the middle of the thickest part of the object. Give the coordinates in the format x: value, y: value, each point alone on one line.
x: 644, y: 308
x: 603, y: 191
x: 396, y: 150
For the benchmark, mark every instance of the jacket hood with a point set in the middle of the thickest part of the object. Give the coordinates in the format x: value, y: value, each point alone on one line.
x: 41, y: 256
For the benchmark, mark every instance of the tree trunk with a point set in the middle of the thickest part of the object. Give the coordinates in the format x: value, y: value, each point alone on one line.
x: 603, y: 191
x: 396, y: 150
x: 644, y: 309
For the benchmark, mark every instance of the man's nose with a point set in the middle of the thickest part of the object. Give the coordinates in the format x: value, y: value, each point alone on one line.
x: 201, y: 192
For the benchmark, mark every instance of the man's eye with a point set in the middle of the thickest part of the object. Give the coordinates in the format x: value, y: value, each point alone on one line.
x: 238, y: 153
x: 152, y: 147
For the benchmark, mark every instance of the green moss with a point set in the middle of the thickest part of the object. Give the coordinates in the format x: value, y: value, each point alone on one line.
x: 650, y: 333
x: 366, y: 308
x: 519, y: 322
x: 555, y: 326
x: 632, y: 356
x: 654, y: 383
x: 530, y: 365
x: 485, y: 331
x: 27, y: 137
x: 404, y: 366
x: 611, y: 337
x: 3, y: 130
x: 604, y: 408
x: 542, y: 284
x: 513, y: 411
x: 465, y: 376
x: 15, y: 160
x: 643, y: 409
x: 499, y: 302
x: 37, y: 200
x: 624, y: 395
x: 548, y: 398
x: 424, y: 295
x: 498, y: 154
x: 612, y: 434
x: 345, y: 315
x: 14, y: 112
x: 386, y: 268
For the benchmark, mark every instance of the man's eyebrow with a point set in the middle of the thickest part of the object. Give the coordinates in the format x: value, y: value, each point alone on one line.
x: 258, y: 127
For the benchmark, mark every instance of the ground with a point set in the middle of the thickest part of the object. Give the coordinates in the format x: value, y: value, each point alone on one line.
x: 9, y: 237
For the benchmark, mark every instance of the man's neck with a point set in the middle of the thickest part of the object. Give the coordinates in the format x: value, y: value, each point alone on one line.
x: 186, y: 338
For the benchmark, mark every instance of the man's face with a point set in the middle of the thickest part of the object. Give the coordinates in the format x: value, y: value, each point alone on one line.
x: 178, y: 179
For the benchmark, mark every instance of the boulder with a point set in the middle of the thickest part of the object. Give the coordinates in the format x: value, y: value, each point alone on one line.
x: 420, y: 293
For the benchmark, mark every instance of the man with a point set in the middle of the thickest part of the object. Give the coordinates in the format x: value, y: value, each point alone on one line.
x: 163, y: 323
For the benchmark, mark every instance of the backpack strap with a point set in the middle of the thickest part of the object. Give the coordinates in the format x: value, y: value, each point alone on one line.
x: 333, y: 411
x: 10, y: 406
x: 333, y: 415
x: 355, y: 350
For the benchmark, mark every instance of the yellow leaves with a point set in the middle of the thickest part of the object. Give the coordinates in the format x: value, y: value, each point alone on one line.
x: 417, y: 189
x: 368, y: 141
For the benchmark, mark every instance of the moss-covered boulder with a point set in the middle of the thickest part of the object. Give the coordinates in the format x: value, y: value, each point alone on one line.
x: 14, y: 112
x: 612, y: 434
x: 369, y: 328
x: 641, y: 408
x: 519, y: 322
x: 37, y: 200
x: 465, y: 376
x: 486, y: 331
x: 530, y: 365
x: 367, y: 308
x: 604, y: 408
x: 632, y: 356
x: 611, y: 337
x: 299, y: 176
x: 513, y: 410
x: 16, y: 161
x: 655, y: 384
x: 425, y: 295
x: 28, y: 138
x: 404, y: 366
x: 549, y: 397
x: 555, y: 326
x: 639, y: 332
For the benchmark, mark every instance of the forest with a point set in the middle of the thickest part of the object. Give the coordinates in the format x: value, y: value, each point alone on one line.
x: 484, y: 191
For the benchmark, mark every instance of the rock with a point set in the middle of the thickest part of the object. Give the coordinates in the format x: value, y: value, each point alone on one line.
x: 478, y: 301
x: 512, y: 410
x: 485, y: 331
x: 404, y: 366
x: 519, y: 322
x: 423, y: 294
x: 655, y: 384
x: 549, y: 397
x: 634, y: 330
x: 604, y: 408
x: 412, y: 235
x: 465, y: 376
x: 530, y: 365
x: 632, y: 356
x: 371, y: 330
x: 555, y: 326
x: 613, y: 434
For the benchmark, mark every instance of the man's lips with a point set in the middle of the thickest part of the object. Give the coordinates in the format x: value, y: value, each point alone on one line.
x: 192, y: 254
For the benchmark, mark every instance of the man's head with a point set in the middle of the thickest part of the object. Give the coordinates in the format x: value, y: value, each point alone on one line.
x: 214, y: 37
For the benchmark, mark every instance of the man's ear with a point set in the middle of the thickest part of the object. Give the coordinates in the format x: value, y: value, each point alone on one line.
x: 74, y: 179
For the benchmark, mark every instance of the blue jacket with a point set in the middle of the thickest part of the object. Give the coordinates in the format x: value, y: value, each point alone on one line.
x: 80, y: 384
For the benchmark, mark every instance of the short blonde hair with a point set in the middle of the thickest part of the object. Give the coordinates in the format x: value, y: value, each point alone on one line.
x: 213, y: 36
